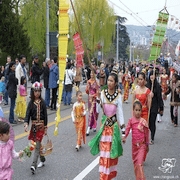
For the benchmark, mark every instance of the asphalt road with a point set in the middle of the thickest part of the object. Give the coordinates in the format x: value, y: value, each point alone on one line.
x: 66, y: 164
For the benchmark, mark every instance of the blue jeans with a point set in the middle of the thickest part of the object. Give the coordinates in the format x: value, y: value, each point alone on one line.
x: 6, y: 96
x: 120, y: 86
x: 12, y: 106
x: 47, y: 96
x: 67, y: 97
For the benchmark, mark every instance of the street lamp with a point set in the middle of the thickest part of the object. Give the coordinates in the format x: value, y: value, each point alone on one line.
x: 47, y: 30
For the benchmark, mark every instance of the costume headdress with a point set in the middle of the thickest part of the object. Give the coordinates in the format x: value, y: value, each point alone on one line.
x: 37, y: 86
x: 114, y: 70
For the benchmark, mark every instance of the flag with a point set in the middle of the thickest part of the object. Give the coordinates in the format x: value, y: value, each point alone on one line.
x: 78, y: 45
x: 177, y: 49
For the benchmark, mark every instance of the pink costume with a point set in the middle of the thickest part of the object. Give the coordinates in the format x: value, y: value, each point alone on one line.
x: 7, y: 152
x: 140, y: 141
x: 92, y: 99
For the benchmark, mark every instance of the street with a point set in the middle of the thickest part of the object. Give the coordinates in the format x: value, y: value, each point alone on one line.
x: 65, y: 163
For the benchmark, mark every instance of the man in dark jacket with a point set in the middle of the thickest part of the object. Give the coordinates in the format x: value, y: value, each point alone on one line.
x: 36, y: 70
x: 12, y: 90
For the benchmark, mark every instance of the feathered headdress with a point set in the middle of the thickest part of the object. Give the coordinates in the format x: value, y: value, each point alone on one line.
x: 37, y: 86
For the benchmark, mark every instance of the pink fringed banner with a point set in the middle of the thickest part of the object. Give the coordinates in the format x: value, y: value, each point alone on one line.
x: 78, y: 45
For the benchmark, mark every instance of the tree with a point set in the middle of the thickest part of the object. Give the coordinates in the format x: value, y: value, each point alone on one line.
x: 96, y: 20
x: 33, y: 17
x: 13, y: 39
x: 123, y: 38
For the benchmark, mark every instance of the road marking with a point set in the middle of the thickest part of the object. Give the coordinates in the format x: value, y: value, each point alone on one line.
x: 19, y: 136
x: 87, y: 170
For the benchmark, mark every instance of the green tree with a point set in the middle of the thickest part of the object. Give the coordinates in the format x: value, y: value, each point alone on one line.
x: 123, y: 38
x: 13, y: 39
x: 96, y: 20
x: 33, y: 17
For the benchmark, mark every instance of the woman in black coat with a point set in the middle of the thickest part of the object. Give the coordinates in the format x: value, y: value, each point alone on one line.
x: 12, y: 90
x: 157, y: 104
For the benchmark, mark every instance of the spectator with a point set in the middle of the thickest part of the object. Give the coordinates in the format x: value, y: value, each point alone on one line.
x: 12, y: 90
x: 21, y: 70
x: 53, y: 78
x: 69, y: 76
x: 36, y: 70
x: 6, y: 73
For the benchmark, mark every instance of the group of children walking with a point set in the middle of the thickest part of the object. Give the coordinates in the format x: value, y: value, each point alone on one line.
x: 107, y: 141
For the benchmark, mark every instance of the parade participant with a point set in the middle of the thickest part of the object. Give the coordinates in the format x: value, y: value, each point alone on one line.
x: 37, y: 113
x: 175, y: 99
x: 126, y: 85
x: 78, y: 115
x: 157, y: 104
x: 78, y: 77
x: 102, y: 76
x: 164, y: 81
x: 108, y: 140
x: 92, y: 89
x: 21, y: 106
x: 140, y: 139
x: 7, y: 152
x: 143, y: 94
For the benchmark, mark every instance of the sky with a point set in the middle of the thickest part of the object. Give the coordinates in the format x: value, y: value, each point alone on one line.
x: 144, y: 12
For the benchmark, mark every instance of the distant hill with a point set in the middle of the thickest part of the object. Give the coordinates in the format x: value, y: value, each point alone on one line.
x: 143, y: 34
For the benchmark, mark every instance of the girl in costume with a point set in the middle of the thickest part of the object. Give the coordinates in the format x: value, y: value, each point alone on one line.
x: 164, y: 81
x: 126, y: 85
x: 7, y: 152
x: 37, y: 113
x: 140, y: 139
x: 142, y: 93
x: 21, y: 106
x: 92, y: 89
x: 108, y: 140
x: 78, y: 115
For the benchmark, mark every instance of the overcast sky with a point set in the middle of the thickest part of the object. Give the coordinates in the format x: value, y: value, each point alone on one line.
x: 146, y: 10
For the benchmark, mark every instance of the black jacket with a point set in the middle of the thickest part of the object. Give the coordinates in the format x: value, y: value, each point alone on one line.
x: 31, y: 112
x: 36, y: 73
x: 46, y: 77
x: 12, y: 85
x: 157, y: 101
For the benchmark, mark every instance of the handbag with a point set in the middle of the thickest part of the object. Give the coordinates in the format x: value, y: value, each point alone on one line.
x: 46, y: 146
x: 72, y: 80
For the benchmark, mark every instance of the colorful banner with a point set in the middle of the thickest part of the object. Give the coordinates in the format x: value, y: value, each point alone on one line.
x: 62, y: 52
x: 158, y: 38
x: 78, y: 45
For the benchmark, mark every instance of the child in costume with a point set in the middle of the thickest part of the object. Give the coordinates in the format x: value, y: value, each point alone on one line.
x: 7, y: 152
x: 21, y: 106
x: 79, y: 119
x: 140, y: 139
x: 2, y: 88
x: 37, y: 113
x: 107, y: 141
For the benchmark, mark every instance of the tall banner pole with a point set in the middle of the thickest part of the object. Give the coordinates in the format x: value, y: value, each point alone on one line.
x: 63, y: 30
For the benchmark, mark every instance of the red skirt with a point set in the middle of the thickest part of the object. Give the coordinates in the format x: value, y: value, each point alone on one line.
x: 37, y: 133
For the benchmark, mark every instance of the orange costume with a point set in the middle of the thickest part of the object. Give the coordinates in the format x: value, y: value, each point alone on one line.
x: 78, y: 117
x: 143, y: 98
x: 126, y: 85
x: 164, y: 82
